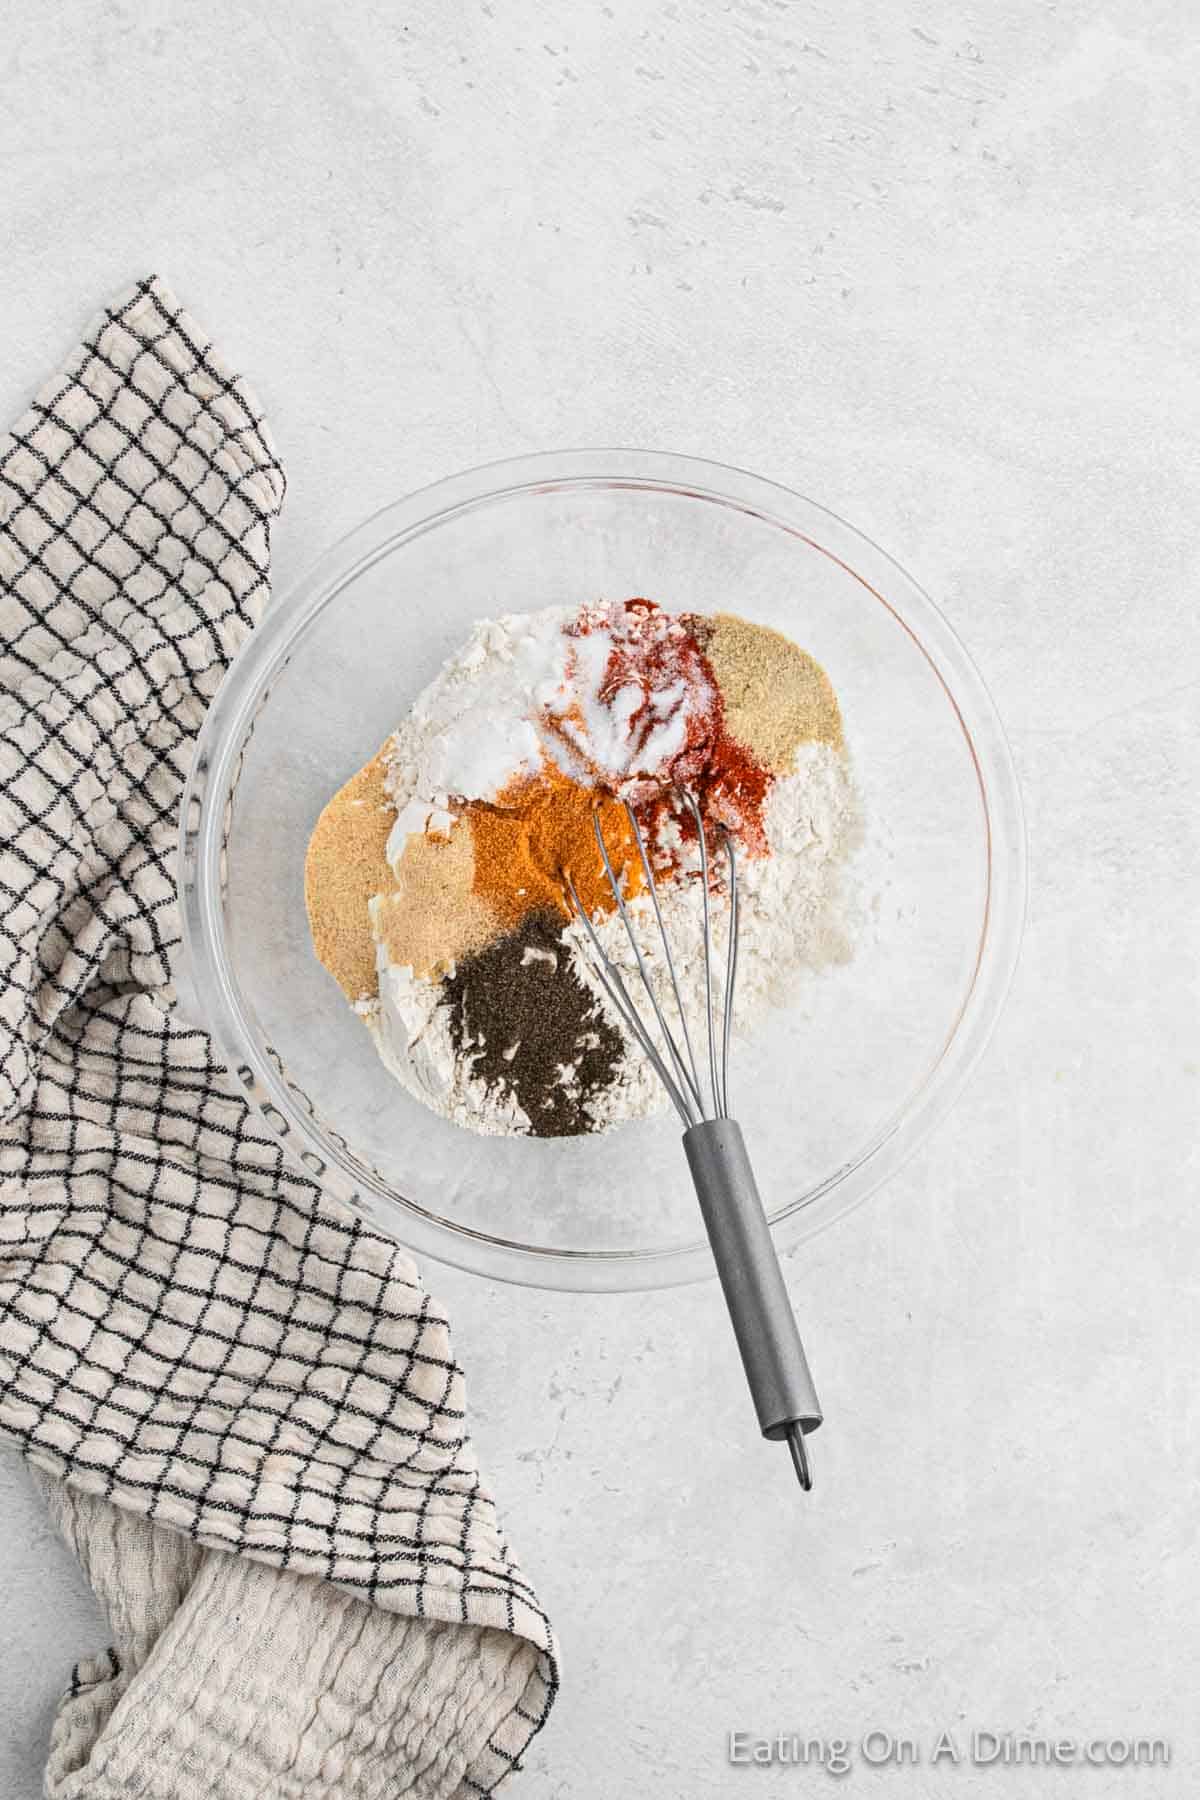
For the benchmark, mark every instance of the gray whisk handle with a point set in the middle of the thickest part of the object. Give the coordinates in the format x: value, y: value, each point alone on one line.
x: 763, y: 1321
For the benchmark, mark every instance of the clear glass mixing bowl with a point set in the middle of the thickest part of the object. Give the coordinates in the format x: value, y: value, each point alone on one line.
x: 833, y: 1093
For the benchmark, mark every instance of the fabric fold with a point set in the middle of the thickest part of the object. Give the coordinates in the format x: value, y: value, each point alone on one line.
x: 190, y: 1331
x: 230, y: 1680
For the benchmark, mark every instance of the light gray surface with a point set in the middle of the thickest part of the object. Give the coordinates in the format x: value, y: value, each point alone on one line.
x: 936, y: 267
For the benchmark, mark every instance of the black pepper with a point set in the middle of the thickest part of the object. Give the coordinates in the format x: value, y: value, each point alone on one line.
x: 529, y: 1028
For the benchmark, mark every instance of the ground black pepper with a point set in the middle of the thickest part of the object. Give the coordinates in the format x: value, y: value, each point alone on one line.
x: 520, y: 1014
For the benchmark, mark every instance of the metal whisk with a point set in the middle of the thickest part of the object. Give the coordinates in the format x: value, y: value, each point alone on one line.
x: 764, y: 1325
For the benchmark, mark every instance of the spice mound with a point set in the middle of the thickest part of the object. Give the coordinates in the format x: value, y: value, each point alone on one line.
x: 442, y: 880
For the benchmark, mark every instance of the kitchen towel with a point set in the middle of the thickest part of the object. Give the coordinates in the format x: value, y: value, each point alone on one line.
x: 243, y: 1404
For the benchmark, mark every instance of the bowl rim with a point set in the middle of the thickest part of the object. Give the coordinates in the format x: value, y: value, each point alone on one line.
x: 319, y: 1153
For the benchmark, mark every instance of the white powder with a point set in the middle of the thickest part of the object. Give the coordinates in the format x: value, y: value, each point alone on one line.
x: 469, y: 734
x: 412, y: 1035
x: 626, y: 739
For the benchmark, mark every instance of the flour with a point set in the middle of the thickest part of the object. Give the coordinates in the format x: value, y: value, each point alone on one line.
x: 411, y: 1030
x: 469, y: 732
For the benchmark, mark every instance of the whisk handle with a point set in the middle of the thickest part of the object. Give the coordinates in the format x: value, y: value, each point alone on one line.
x: 763, y: 1322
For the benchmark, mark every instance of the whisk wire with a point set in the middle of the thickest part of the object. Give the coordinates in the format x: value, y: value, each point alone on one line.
x: 693, y: 1079
x: 682, y: 1077
x: 679, y: 1073
x: 731, y: 956
x: 614, y: 986
x: 694, y: 807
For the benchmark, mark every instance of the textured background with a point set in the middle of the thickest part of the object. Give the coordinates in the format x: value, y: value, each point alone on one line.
x: 935, y: 265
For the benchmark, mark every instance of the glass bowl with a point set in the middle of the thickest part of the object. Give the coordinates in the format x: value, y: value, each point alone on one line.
x: 834, y: 1092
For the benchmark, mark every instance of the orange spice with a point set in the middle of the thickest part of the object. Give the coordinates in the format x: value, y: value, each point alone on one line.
x: 537, y: 829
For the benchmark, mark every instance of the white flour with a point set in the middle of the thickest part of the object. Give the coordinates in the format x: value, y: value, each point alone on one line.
x: 468, y: 732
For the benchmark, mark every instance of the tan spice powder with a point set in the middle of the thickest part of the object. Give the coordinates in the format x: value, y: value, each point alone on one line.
x: 346, y: 864
x: 776, y: 695
x: 433, y: 914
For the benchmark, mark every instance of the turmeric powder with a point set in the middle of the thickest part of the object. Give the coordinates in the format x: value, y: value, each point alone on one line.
x: 540, y: 829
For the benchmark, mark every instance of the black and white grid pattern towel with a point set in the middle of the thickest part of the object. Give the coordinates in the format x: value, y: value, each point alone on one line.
x: 204, y: 1353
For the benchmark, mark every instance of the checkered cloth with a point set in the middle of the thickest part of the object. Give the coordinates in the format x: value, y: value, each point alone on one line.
x: 189, y: 1330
